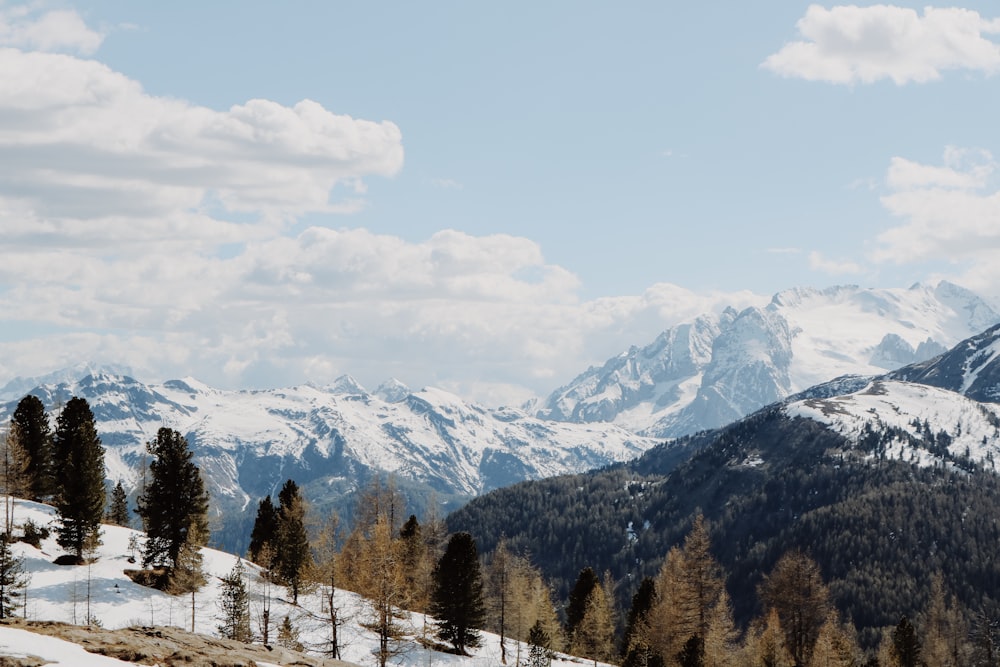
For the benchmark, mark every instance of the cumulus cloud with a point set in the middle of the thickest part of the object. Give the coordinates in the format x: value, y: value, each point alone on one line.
x: 947, y: 212
x: 157, y: 234
x: 851, y: 44
x: 61, y: 30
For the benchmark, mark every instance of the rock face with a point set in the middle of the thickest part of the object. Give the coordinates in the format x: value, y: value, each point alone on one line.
x: 721, y: 367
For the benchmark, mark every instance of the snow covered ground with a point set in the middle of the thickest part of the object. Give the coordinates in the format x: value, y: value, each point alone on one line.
x: 101, y: 590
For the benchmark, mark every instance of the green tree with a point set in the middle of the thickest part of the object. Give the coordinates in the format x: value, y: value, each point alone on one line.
x: 234, y: 603
x: 265, y: 530
x: 539, y: 653
x: 13, y: 577
x: 174, y: 505
x: 458, y: 594
x: 292, y: 558
x: 79, y: 475
x: 636, y: 650
x: 35, y: 436
x: 118, y: 507
x: 586, y: 581
x: 905, y: 645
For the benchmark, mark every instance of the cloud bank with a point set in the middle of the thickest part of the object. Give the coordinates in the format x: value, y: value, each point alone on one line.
x: 158, y: 234
x: 848, y: 44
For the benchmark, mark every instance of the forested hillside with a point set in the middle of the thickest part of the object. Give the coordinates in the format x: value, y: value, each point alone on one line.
x: 879, y: 527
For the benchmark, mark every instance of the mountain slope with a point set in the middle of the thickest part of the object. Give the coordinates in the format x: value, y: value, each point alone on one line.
x: 331, y: 440
x: 873, y: 483
x: 721, y: 367
x: 67, y: 594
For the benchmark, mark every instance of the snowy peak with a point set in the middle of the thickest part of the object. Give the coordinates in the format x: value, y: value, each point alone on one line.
x: 902, y: 420
x: 971, y: 368
x: 392, y: 391
x: 719, y: 368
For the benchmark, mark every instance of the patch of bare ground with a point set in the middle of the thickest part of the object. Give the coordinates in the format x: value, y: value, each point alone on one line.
x: 167, y: 646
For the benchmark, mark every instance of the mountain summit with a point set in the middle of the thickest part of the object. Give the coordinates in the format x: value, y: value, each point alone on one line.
x: 722, y: 366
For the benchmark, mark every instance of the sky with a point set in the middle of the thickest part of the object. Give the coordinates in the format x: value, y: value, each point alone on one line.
x: 482, y: 197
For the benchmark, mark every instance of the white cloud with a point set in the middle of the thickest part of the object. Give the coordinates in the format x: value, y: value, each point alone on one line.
x: 948, y: 213
x: 851, y: 44
x: 61, y: 30
x: 818, y: 262
x: 155, y: 233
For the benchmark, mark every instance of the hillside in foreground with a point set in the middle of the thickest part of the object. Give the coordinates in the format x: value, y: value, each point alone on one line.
x: 102, y: 592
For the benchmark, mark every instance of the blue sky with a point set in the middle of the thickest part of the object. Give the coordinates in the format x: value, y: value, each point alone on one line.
x: 484, y: 197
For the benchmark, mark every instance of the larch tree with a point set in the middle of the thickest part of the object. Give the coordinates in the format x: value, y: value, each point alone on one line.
x: 174, y: 505
x: 765, y: 643
x: 324, y: 573
x: 498, y: 593
x: 79, y: 478
x: 35, y: 435
x: 837, y: 645
x: 689, y: 586
x: 380, y: 581
x: 944, y: 629
x: 721, y: 634
x: 292, y: 557
x: 457, y: 603
x: 795, y: 589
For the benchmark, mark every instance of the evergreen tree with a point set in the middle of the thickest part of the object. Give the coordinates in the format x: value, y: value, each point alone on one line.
x: 265, y: 530
x: 292, y: 557
x: 577, y: 605
x: 416, y: 573
x: 635, y: 649
x: 539, y: 653
x: 458, y: 594
x: 118, y: 508
x: 905, y: 645
x: 35, y: 435
x: 174, y: 505
x: 234, y: 603
x: 79, y: 475
x: 13, y: 577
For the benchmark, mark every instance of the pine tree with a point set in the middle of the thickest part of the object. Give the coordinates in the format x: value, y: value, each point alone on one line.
x: 35, y: 436
x: 234, y: 603
x: 292, y: 558
x: 265, y: 530
x: 539, y: 653
x: 905, y: 645
x: 118, y: 508
x: 13, y: 577
x: 577, y: 605
x: 174, y: 505
x: 416, y: 572
x: 636, y: 650
x: 458, y: 594
x: 79, y: 475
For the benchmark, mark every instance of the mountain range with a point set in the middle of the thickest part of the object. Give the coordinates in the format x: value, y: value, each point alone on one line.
x: 332, y: 439
x: 720, y: 367
x: 884, y: 480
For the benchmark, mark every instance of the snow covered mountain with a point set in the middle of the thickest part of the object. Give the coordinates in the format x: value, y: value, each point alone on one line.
x: 332, y: 439
x: 721, y: 367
